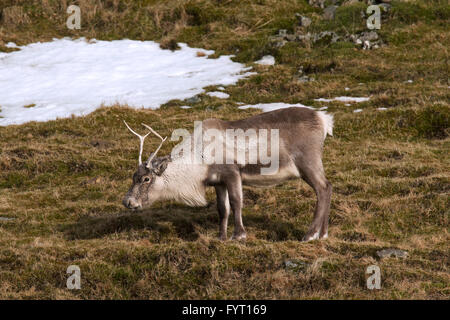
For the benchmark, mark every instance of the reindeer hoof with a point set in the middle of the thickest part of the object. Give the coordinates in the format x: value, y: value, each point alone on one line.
x: 310, y: 236
x: 242, y: 236
x: 223, y: 238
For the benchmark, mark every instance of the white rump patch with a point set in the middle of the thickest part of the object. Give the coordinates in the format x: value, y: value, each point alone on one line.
x: 327, y: 123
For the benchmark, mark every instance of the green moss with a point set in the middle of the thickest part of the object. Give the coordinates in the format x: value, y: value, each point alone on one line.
x: 13, y: 180
x: 432, y: 122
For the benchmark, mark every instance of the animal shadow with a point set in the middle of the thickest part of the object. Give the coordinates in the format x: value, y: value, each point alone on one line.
x: 184, y: 223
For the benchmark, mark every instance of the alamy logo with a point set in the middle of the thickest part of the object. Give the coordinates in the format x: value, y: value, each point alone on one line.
x: 374, y: 20
x: 230, y: 146
x: 374, y: 281
x: 74, y: 280
x: 74, y: 20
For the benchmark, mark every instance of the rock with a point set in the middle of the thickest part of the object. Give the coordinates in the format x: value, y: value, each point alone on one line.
x: 304, y: 37
x: 397, y: 253
x: 366, y: 45
x: 6, y: 219
x: 326, y: 36
x: 101, y: 144
x: 369, y: 36
x: 329, y: 12
x: 94, y: 180
x: 290, y: 37
x: 277, y: 41
x: 305, y: 78
x: 194, y: 99
x: 303, y: 21
x: 282, y: 32
x: 317, y: 3
x: 295, y: 265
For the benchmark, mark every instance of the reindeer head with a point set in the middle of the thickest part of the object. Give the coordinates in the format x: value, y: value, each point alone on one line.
x: 148, y: 185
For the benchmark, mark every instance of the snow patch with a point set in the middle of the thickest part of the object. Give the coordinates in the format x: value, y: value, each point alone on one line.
x: 273, y: 106
x: 11, y: 45
x: 266, y: 60
x: 344, y: 99
x: 218, y: 94
x: 357, y: 110
x: 65, y: 77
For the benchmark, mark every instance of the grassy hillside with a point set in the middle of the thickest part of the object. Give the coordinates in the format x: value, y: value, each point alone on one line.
x: 62, y: 181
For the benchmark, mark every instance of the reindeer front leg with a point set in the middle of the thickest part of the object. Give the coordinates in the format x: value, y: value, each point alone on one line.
x: 234, y: 187
x: 223, y: 207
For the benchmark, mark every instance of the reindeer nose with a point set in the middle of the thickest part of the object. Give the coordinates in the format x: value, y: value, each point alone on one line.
x: 131, y: 203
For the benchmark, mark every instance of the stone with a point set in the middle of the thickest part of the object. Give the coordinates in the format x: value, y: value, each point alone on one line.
x: 282, y: 32
x: 326, y: 36
x: 303, y: 21
x: 387, y: 253
x: 277, y: 41
x: 304, y: 79
x: 304, y: 37
x: 317, y: 3
x: 6, y: 219
x: 329, y: 12
x: 369, y: 36
x: 194, y: 99
x: 290, y: 37
x: 295, y: 265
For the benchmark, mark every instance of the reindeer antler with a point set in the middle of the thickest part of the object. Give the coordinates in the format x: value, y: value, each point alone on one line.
x: 153, y: 155
x: 141, y: 139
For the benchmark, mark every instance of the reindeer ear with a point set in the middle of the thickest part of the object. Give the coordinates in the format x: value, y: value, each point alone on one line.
x: 159, y: 165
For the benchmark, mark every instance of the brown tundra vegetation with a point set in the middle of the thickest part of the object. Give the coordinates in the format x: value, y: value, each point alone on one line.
x: 62, y: 182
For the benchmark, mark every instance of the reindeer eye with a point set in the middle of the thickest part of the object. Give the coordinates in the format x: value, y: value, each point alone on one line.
x: 146, y: 179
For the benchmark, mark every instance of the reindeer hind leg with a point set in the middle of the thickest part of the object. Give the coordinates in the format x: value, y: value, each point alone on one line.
x: 312, y: 172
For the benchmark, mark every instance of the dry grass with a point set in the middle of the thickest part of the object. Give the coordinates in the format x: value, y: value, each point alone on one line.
x: 62, y: 181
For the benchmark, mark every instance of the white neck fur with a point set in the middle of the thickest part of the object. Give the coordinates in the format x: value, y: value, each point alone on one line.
x: 185, y: 183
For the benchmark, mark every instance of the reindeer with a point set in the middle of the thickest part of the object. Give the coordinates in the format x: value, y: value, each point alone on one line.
x: 301, y: 135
